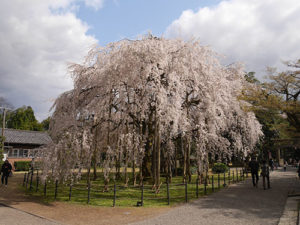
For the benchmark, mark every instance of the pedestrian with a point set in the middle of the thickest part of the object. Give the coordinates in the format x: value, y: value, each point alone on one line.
x: 271, y: 163
x: 298, y: 170
x: 284, y: 166
x: 254, y: 167
x: 265, y: 172
x: 5, y: 170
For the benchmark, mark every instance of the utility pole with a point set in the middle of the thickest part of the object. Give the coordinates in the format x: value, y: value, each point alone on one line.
x: 3, y: 127
x: 3, y: 121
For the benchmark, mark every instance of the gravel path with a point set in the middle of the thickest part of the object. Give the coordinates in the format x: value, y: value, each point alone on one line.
x: 13, y: 216
x: 239, y: 204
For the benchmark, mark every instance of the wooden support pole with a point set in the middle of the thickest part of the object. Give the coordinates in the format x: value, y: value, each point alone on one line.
x: 55, y: 192
x: 115, y: 195
x: 168, y: 193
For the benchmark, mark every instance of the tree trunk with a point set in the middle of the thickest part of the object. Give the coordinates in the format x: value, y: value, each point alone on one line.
x: 133, y: 173
x: 95, y: 170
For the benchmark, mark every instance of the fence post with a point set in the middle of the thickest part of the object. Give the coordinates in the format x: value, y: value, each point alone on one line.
x: 142, y: 195
x: 55, y: 192
x: 212, y: 183
x: 70, y: 192
x: 30, y: 187
x: 24, y: 179
x: 185, y: 191
x: 45, y: 188
x: 205, y: 184
x: 197, y: 188
x: 229, y: 177
x: 168, y: 192
x: 27, y: 179
x: 218, y: 180
x: 224, y: 179
x: 115, y: 195
x: 37, y: 183
x: 232, y: 176
x: 89, y: 193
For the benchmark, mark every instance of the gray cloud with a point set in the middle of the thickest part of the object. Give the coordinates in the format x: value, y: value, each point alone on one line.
x: 36, y: 44
x: 257, y: 33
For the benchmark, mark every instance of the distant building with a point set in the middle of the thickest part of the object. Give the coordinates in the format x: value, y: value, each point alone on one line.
x: 21, y: 145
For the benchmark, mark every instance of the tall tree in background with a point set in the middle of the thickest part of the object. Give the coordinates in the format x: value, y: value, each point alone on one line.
x: 24, y: 119
x: 279, y: 95
x: 276, y: 103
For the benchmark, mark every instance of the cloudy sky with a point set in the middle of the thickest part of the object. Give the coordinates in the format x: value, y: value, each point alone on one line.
x: 38, y: 38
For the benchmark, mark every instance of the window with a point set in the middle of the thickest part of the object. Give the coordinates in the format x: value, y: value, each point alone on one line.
x: 21, y: 153
x: 15, y: 152
x: 31, y: 153
x: 25, y: 153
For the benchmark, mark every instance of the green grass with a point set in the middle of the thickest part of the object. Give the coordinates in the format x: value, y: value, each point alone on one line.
x: 126, y: 196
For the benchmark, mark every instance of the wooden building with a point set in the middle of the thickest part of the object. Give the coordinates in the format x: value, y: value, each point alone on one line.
x: 22, y: 145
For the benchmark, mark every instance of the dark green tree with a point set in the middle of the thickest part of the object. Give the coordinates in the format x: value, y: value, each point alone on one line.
x: 45, y: 123
x: 23, y: 119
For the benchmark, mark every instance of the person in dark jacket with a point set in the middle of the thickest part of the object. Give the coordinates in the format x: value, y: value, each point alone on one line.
x: 5, y: 171
x: 265, y: 172
x: 254, y: 167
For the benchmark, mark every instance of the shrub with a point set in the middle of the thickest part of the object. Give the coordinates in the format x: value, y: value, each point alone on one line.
x: 219, y: 168
x: 194, y: 170
x: 180, y: 171
x: 22, y: 165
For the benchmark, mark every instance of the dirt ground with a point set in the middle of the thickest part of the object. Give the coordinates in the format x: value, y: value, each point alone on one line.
x: 74, y: 214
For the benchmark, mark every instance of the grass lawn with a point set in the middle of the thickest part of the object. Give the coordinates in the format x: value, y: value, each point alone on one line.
x: 127, y: 196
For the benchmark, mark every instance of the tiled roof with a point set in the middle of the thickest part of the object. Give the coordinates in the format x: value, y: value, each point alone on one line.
x: 13, y: 136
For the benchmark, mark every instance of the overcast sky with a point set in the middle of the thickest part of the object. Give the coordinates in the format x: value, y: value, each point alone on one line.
x: 38, y: 38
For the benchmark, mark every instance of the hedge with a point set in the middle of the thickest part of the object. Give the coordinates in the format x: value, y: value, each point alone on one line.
x: 219, y: 168
x: 22, y: 165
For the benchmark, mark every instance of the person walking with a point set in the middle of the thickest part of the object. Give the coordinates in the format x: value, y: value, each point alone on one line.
x: 284, y: 166
x: 254, y: 167
x: 271, y: 163
x: 5, y: 171
x: 265, y: 172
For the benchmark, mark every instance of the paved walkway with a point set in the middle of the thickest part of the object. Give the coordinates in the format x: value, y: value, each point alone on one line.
x: 239, y: 204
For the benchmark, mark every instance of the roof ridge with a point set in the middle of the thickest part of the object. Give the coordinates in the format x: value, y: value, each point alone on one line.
x: 29, y: 131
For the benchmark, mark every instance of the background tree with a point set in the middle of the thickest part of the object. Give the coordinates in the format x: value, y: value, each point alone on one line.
x: 276, y: 104
x: 24, y: 119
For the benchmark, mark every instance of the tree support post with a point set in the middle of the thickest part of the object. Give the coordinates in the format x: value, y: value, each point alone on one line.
x: 24, y: 179
x: 197, y: 188
x: 70, y: 192
x: 142, y: 195
x: 205, y: 185
x: 37, y: 183
x: 55, y: 192
x: 212, y: 183
x: 115, y: 195
x: 168, y: 193
x: 186, y: 192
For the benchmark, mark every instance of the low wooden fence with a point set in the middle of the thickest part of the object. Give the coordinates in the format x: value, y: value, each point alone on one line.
x: 169, y: 192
